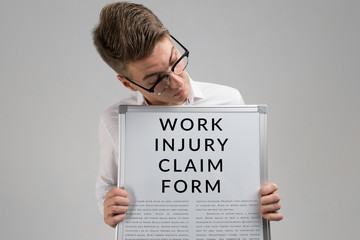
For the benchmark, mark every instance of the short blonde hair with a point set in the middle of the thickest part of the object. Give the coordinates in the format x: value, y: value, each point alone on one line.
x: 126, y: 32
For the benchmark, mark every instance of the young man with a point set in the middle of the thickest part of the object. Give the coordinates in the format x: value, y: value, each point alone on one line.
x: 151, y: 63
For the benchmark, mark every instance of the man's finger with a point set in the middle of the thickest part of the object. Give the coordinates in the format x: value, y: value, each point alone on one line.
x: 268, y: 189
x: 113, y: 220
x: 270, y: 208
x: 273, y: 216
x: 116, y: 192
x: 269, y: 199
x: 116, y: 200
x: 115, y: 210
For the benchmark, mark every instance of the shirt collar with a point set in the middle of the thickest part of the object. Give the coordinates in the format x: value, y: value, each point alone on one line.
x: 195, y: 94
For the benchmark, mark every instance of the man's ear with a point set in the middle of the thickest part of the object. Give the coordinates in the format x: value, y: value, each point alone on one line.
x: 126, y: 83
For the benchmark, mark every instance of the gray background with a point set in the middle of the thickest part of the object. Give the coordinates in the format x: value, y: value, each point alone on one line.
x: 299, y: 57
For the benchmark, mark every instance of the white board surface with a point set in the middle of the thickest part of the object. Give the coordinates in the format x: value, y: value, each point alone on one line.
x: 193, y: 172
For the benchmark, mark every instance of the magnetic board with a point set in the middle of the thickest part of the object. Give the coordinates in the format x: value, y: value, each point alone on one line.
x: 192, y: 172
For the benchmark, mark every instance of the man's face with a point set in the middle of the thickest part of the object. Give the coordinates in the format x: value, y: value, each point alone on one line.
x: 153, y: 67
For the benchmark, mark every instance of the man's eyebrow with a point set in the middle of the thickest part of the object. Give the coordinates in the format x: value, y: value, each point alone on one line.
x: 152, y: 74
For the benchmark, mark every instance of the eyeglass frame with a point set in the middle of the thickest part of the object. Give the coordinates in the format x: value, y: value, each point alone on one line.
x: 151, y: 90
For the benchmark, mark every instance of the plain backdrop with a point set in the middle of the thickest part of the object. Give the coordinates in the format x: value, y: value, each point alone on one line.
x: 301, y: 58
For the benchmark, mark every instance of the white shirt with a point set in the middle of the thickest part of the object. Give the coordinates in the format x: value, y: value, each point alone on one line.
x: 200, y: 94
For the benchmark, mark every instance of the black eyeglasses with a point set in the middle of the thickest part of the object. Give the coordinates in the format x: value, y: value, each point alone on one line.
x: 159, y: 85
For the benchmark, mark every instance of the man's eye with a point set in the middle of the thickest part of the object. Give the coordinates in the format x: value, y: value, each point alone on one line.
x: 173, y: 62
x: 152, y: 80
x: 174, y: 59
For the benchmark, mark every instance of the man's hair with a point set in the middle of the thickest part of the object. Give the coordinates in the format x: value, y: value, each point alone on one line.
x: 126, y: 32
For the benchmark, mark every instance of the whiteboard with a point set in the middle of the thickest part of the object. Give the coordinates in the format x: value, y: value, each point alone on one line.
x: 192, y: 172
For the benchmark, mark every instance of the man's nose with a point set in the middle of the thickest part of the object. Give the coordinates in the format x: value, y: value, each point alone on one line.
x: 176, y: 81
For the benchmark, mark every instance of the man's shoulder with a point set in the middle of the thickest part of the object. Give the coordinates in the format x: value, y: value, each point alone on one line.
x: 110, y: 115
x: 217, y: 94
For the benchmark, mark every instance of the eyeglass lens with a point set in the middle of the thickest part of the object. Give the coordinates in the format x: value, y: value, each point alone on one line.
x: 179, y: 68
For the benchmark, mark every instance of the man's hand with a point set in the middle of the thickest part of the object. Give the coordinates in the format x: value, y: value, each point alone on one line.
x: 270, y: 202
x: 115, y: 206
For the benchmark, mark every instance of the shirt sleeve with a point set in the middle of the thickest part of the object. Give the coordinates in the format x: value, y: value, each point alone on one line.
x: 107, y: 174
x: 240, y: 100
